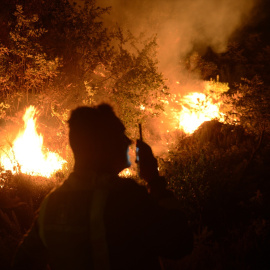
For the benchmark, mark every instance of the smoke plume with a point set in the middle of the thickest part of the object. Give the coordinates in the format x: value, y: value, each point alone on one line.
x: 182, y: 25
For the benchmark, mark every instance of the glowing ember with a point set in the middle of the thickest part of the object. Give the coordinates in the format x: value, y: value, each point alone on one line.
x: 142, y: 108
x: 27, y: 154
x: 126, y: 173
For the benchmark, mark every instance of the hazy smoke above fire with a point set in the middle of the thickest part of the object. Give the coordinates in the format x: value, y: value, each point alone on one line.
x: 181, y: 25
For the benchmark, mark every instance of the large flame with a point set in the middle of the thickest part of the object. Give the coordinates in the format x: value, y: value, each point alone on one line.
x: 188, y: 112
x: 27, y: 154
x: 196, y: 109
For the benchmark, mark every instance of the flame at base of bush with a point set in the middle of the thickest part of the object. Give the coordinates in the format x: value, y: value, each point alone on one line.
x: 27, y: 154
x: 199, y: 108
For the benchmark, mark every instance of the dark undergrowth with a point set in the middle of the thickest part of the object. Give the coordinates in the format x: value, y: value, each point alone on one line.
x: 220, y: 175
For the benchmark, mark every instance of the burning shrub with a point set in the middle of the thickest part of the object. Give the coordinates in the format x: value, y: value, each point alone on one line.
x: 27, y: 154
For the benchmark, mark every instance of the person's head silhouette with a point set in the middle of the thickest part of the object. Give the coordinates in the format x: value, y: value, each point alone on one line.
x: 98, y: 141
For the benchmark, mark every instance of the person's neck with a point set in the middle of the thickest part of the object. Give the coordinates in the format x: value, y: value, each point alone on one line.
x: 85, y: 170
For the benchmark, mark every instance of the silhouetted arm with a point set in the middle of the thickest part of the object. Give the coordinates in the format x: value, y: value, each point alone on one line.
x: 173, y: 234
x: 157, y: 185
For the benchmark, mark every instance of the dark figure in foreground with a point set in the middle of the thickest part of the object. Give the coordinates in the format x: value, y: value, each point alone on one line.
x: 97, y: 220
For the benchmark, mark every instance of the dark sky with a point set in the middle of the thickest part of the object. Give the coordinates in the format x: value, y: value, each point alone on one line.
x: 261, y: 21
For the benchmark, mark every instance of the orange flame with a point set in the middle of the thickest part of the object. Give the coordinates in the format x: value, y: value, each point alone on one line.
x: 197, y: 109
x: 27, y: 154
x: 126, y: 173
x: 188, y: 112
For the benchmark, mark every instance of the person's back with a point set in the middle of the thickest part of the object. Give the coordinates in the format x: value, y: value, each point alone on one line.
x: 133, y: 233
x: 96, y: 220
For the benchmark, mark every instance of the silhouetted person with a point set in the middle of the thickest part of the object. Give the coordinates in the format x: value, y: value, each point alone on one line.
x: 96, y: 220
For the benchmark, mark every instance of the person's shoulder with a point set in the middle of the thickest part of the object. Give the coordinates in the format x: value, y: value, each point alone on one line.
x: 129, y: 185
x: 56, y: 192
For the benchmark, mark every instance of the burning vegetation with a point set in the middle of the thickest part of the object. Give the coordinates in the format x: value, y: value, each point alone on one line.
x: 211, y: 136
x: 27, y: 153
x: 189, y: 111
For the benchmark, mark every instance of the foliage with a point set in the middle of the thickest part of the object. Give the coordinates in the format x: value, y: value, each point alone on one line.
x: 203, y: 159
x: 251, y: 103
x: 24, y: 66
x: 243, y: 58
x: 196, y: 64
x: 224, y: 191
x: 58, y: 56
x: 77, y: 35
x: 137, y: 86
x: 20, y: 197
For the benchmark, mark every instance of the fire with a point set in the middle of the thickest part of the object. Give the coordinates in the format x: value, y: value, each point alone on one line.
x: 126, y: 173
x: 27, y: 154
x: 196, y: 109
x: 142, y: 108
x: 188, y: 112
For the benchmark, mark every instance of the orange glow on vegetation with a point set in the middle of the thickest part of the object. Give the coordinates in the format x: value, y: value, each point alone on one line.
x: 27, y: 154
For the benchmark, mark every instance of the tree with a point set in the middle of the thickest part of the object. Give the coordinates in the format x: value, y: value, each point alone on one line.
x: 63, y: 56
x: 251, y: 103
x: 137, y: 87
x: 24, y: 66
x: 243, y: 58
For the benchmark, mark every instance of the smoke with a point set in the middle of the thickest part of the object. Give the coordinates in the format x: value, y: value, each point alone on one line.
x: 182, y: 25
